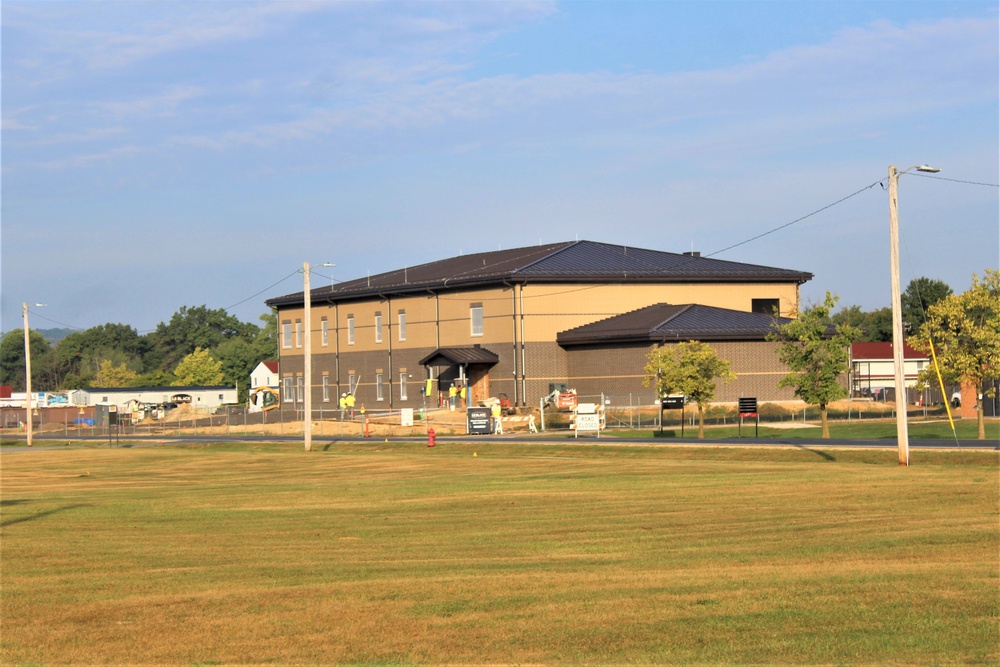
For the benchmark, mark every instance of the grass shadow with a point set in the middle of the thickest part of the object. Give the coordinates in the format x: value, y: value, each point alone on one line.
x: 820, y: 453
x: 11, y: 522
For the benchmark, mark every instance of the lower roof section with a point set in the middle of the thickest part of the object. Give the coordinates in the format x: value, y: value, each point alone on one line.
x: 460, y: 356
x: 662, y: 322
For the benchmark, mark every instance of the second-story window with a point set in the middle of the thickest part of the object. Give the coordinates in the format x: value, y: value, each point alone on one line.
x: 298, y: 333
x: 350, y: 329
x: 286, y: 334
x: 378, y: 327
x: 476, y: 317
x: 326, y: 332
x: 402, y: 325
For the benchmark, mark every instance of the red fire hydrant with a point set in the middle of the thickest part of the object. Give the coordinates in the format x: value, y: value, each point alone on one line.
x: 430, y: 437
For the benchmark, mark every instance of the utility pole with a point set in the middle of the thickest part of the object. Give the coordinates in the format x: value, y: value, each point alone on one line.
x: 27, y: 370
x: 307, y: 353
x: 27, y: 374
x: 902, y: 430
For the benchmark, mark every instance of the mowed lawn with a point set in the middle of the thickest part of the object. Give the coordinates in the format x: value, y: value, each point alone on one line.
x: 393, y: 553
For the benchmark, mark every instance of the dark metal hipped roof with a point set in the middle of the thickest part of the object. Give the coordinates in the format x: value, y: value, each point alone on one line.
x: 459, y: 356
x: 663, y: 322
x: 573, y: 261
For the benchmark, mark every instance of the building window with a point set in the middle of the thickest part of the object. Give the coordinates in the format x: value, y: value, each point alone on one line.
x: 286, y: 334
x: 326, y: 388
x: 476, y: 316
x: 379, y: 390
x: 298, y: 333
x: 350, y: 329
x: 402, y: 325
x: 402, y: 386
x: 352, y: 384
x: 378, y: 327
x: 300, y: 384
x: 765, y: 306
x: 326, y: 332
x: 286, y: 391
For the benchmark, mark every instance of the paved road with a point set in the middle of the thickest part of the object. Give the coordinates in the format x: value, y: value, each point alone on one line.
x: 46, y: 441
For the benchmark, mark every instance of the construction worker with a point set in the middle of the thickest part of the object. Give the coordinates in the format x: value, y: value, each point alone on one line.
x: 497, y: 424
x: 452, y: 396
x: 343, y: 405
x: 350, y: 404
x: 461, y: 395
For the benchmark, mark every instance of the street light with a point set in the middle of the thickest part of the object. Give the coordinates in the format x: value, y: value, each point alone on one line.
x: 27, y: 370
x: 902, y: 434
x: 307, y: 354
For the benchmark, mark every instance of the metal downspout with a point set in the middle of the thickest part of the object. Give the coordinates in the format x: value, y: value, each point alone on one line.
x: 513, y: 323
x: 524, y: 388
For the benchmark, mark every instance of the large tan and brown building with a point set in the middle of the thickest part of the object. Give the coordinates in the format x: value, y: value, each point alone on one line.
x: 520, y: 322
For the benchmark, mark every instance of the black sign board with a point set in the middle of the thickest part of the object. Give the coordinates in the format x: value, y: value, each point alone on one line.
x: 672, y: 402
x: 748, y: 407
x: 478, y: 420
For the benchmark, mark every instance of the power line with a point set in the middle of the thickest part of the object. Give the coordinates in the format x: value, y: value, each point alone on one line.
x: 789, y: 224
x: 955, y: 180
x: 253, y: 296
x: 842, y: 200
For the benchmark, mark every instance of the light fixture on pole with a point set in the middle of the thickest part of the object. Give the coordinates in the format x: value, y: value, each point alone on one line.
x: 307, y: 354
x: 902, y: 434
x: 27, y: 371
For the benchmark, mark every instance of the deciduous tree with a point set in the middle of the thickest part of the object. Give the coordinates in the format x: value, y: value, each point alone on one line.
x: 817, y: 353
x: 199, y: 369
x: 920, y: 295
x: 110, y: 375
x: 12, y: 359
x: 691, y: 369
x: 965, y: 330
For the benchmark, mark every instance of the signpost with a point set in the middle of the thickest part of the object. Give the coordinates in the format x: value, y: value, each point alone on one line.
x: 672, y: 402
x: 588, y: 417
x: 748, y: 408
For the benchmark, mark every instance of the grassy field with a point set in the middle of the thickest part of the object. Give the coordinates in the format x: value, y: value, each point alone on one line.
x: 393, y: 553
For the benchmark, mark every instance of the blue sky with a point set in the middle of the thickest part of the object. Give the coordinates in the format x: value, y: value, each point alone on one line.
x: 166, y: 154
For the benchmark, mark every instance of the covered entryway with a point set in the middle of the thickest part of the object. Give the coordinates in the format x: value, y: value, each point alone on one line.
x: 463, y: 367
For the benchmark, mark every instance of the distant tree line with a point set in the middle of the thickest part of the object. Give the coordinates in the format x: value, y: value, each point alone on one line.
x: 876, y: 325
x: 198, y: 346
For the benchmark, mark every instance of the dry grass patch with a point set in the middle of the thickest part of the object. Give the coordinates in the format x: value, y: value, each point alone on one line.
x: 389, y: 554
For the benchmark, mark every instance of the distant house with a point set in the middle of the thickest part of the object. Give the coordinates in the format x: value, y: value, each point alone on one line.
x: 264, y: 375
x: 873, y: 369
x: 264, y: 385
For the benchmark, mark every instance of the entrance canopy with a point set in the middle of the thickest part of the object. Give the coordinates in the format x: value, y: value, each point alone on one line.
x: 459, y: 356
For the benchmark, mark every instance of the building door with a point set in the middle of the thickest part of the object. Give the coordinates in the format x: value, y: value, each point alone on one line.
x: 479, y: 383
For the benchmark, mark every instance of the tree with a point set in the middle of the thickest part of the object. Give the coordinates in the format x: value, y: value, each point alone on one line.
x: 110, y: 375
x: 920, y: 295
x: 875, y: 325
x: 191, y: 328
x: 687, y: 368
x: 12, y: 359
x: 237, y: 359
x: 965, y: 330
x: 78, y: 356
x: 199, y: 369
x: 816, y: 353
